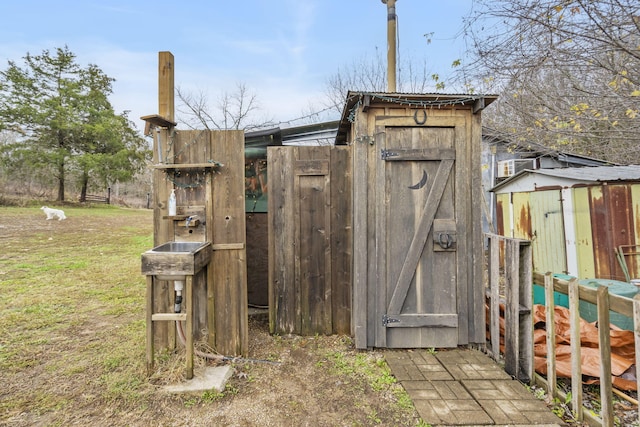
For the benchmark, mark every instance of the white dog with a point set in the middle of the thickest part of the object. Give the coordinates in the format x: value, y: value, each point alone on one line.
x: 53, y: 213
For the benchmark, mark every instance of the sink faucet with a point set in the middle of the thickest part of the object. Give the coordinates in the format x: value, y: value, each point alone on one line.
x: 187, y: 221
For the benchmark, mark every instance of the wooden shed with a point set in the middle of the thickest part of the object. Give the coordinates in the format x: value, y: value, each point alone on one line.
x: 584, y: 222
x: 417, y: 235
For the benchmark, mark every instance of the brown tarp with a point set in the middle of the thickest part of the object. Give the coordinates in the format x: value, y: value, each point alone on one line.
x: 623, y: 356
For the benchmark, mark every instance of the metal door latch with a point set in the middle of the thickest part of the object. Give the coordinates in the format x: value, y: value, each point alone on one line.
x: 386, y: 320
x: 445, y: 242
x: 385, y: 154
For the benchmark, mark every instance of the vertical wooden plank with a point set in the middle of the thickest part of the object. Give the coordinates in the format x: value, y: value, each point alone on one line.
x: 360, y: 234
x: 189, y: 327
x: 636, y: 331
x: 604, y: 338
x: 149, y: 323
x: 551, y: 334
x: 494, y: 281
x: 379, y: 269
x: 163, y: 231
x: 313, y: 256
x: 164, y: 332
x: 341, y: 248
x: 511, y: 315
x: 300, y: 297
x: 229, y: 265
x: 326, y: 253
x: 463, y: 205
x: 576, y: 358
x: 525, y: 360
x: 477, y: 320
x: 282, y: 295
x: 166, y: 72
x: 210, y: 284
x: 374, y: 287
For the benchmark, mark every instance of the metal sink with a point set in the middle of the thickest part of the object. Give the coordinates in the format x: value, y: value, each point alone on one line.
x: 179, y: 247
x: 174, y: 260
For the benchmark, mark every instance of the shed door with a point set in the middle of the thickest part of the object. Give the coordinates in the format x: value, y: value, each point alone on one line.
x: 547, y: 229
x: 417, y: 223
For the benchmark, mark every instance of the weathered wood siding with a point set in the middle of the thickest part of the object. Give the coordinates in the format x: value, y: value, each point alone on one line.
x: 217, y: 197
x: 309, y: 240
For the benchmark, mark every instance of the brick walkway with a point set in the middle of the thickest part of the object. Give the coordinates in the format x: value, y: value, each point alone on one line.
x: 462, y: 387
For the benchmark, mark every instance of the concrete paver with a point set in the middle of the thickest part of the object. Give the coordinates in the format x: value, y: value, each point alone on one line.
x: 464, y: 387
x: 211, y: 377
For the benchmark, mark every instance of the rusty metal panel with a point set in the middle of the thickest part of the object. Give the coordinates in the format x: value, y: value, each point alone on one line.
x: 612, y: 225
x: 521, y: 216
x: 584, y: 238
x: 620, y: 211
x: 547, y: 225
x: 503, y: 216
x: 633, y: 261
x: 599, y: 231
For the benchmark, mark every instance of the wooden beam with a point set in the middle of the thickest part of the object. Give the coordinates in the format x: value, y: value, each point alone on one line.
x: 166, y: 72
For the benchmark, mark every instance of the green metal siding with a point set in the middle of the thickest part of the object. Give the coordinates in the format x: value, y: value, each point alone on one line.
x: 584, y: 239
x: 547, y: 224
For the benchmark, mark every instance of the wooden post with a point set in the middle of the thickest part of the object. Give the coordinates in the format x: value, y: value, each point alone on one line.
x: 525, y: 318
x: 494, y: 275
x: 576, y: 359
x: 604, y: 339
x: 359, y: 274
x: 165, y: 333
x: 189, y: 326
x: 511, y: 315
x: 149, y: 320
x: 391, y: 44
x: 166, y: 73
x: 551, y: 334
x: 636, y: 329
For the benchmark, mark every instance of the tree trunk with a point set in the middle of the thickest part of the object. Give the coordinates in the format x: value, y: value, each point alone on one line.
x: 61, y: 182
x: 60, y: 167
x: 83, y: 190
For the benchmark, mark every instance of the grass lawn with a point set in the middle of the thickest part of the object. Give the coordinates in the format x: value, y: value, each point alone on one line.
x: 72, y: 348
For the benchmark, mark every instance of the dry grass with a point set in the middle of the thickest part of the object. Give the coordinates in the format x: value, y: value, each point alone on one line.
x: 72, y: 350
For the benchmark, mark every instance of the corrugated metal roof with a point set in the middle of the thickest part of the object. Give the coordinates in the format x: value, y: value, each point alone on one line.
x: 596, y: 173
x: 585, y: 175
x: 417, y: 100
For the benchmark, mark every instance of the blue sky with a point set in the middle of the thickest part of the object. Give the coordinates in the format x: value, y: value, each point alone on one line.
x: 282, y: 50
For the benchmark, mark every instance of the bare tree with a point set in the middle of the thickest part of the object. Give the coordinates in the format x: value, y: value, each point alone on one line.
x: 234, y: 110
x: 568, y: 72
x: 370, y: 75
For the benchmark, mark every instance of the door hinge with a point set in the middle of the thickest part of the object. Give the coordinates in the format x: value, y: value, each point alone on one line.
x: 385, y: 154
x: 386, y: 320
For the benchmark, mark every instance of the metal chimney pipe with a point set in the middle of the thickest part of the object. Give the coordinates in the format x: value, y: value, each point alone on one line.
x: 391, y: 44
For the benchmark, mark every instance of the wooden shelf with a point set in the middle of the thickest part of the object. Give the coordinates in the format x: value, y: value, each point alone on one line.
x: 188, y: 166
x: 158, y: 120
x: 176, y: 217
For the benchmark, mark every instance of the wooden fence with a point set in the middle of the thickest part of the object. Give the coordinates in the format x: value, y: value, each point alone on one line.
x: 309, y: 240
x: 513, y: 289
x: 94, y: 198
x: 510, y: 283
x: 604, y: 302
